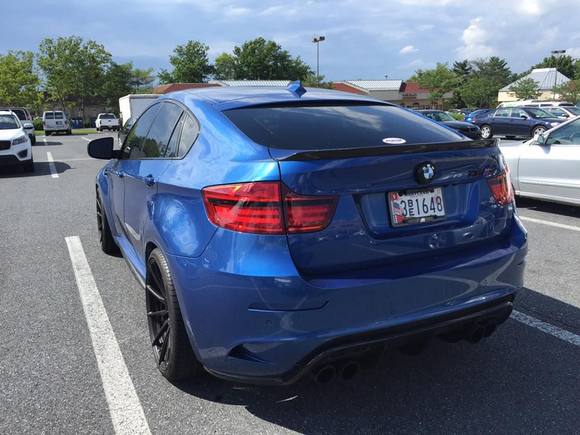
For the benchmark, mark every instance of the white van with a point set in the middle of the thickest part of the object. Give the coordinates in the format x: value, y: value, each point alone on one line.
x: 55, y: 121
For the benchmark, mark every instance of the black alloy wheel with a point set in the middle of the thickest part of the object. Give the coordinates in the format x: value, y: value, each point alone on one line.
x: 171, y: 348
x: 106, y: 239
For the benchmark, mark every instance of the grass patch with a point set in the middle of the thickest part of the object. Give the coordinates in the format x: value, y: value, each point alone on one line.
x: 78, y: 131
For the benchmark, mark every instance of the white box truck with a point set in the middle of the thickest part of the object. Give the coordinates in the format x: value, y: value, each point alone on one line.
x: 133, y: 105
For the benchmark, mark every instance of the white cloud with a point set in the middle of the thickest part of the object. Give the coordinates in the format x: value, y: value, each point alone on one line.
x: 529, y: 7
x: 237, y: 11
x: 574, y: 52
x: 408, y: 49
x: 475, y: 41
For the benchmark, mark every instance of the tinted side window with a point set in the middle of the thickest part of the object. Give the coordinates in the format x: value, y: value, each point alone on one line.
x: 20, y: 113
x: 158, y: 137
x: 134, y: 141
x: 173, y: 147
x: 567, y: 135
x: 49, y: 115
x: 502, y: 112
x: 189, y: 132
x: 58, y: 115
x: 517, y: 113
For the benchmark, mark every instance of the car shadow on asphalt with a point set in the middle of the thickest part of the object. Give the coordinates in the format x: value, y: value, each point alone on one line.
x: 520, y: 380
x: 548, y: 207
x: 41, y: 169
x: 47, y: 143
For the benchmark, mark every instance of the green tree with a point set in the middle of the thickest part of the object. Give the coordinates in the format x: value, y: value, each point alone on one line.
x: 190, y: 64
x: 118, y: 82
x: 18, y: 79
x: 439, y: 81
x: 74, y: 70
x: 526, y: 89
x: 564, y: 64
x: 479, y: 91
x: 141, y: 79
x: 315, y: 81
x: 260, y: 59
x: 463, y: 71
x: 495, y: 69
x: 569, y: 91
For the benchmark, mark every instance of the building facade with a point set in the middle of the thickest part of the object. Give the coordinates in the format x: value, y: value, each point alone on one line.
x: 546, y: 78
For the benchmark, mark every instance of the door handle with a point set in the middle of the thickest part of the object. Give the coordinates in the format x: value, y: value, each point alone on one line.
x: 149, y: 180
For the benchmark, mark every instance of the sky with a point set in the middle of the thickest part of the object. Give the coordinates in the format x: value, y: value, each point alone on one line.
x: 365, y: 39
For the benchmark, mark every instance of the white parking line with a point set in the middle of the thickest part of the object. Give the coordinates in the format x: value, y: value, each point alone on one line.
x: 51, y: 165
x: 550, y: 224
x: 124, y: 405
x: 562, y: 334
x: 86, y: 138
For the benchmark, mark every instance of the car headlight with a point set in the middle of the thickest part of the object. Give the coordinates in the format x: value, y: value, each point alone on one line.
x: 553, y: 124
x: 19, y: 140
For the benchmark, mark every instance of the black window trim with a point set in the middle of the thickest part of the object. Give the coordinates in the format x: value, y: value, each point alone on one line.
x: 186, y: 111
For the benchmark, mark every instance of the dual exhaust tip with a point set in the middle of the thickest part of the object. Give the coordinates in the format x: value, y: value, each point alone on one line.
x: 346, y: 371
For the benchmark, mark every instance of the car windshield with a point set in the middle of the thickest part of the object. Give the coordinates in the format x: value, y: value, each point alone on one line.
x: 539, y: 113
x: 8, y: 122
x: 574, y: 110
x: 334, y: 125
x: 440, y: 116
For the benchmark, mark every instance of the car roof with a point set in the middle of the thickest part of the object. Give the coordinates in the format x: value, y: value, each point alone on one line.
x: 7, y: 112
x: 234, y: 97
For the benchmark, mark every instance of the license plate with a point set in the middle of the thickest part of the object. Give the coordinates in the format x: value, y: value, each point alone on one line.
x: 414, y: 207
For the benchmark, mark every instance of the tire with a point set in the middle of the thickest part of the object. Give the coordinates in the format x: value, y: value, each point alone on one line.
x: 538, y: 130
x: 510, y: 137
x: 28, y: 165
x: 486, y: 131
x: 171, y: 347
x: 106, y: 239
x: 97, y: 129
x: 33, y: 140
x: 68, y: 132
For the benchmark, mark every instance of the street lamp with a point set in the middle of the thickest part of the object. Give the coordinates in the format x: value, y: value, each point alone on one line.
x: 557, y: 54
x: 317, y: 40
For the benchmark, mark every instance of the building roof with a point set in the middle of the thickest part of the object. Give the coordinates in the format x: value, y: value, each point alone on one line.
x: 252, y: 83
x: 413, y: 88
x: 376, y: 85
x: 172, y: 87
x: 345, y: 87
x: 544, y: 77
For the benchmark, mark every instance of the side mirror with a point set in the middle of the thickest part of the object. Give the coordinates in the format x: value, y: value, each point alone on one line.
x: 523, y: 117
x: 102, y: 148
x: 540, y: 139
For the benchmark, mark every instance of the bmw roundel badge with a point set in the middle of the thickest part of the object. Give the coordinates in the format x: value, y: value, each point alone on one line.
x: 425, y: 172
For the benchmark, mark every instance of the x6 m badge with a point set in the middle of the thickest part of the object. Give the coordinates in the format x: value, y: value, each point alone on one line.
x: 425, y: 172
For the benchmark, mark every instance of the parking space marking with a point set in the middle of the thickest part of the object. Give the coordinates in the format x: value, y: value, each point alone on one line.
x: 44, y: 140
x: 550, y: 224
x: 124, y: 406
x: 53, y: 172
x: 560, y: 333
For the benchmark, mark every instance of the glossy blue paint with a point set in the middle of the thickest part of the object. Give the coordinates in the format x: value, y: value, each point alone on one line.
x: 281, y: 297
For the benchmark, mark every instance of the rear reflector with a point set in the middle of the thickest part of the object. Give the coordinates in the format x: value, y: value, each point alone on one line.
x: 501, y: 188
x: 266, y: 208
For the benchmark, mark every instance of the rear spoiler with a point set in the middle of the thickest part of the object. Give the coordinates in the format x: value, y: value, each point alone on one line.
x: 345, y: 153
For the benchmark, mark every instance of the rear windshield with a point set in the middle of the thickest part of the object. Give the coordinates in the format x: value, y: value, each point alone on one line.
x: 58, y: 115
x: 49, y: 115
x: 107, y: 116
x: 320, y: 127
x: 8, y: 122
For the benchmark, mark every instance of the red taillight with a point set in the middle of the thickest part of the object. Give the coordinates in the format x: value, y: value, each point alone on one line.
x: 501, y: 188
x: 266, y: 208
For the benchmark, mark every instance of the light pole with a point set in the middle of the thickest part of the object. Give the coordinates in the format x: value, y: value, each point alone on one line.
x: 317, y: 40
x: 557, y: 54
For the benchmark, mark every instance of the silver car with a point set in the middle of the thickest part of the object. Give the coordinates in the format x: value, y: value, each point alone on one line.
x: 548, y: 166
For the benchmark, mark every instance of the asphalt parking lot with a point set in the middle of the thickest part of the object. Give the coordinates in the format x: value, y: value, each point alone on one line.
x: 524, y: 379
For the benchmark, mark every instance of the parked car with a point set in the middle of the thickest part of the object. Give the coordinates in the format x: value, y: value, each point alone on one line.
x: 107, y: 121
x: 472, y: 117
x: 546, y: 167
x: 280, y: 232
x: 516, y: 121
x: 55, y: 121
x: 534, y: 103
x: 468, y: 129
x: 563, y: 111
x: 25, y: 119
x: 15, y: 145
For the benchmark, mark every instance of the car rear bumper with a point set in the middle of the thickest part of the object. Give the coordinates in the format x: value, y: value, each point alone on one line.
x: 269, y: 324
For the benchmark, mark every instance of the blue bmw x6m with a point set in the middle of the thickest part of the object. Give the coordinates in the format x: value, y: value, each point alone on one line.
x: 288, y: 231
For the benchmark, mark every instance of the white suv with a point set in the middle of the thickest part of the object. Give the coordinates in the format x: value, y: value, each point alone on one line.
x: 15, y: 146
x: 55, y: 121
x: 108, y: 121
